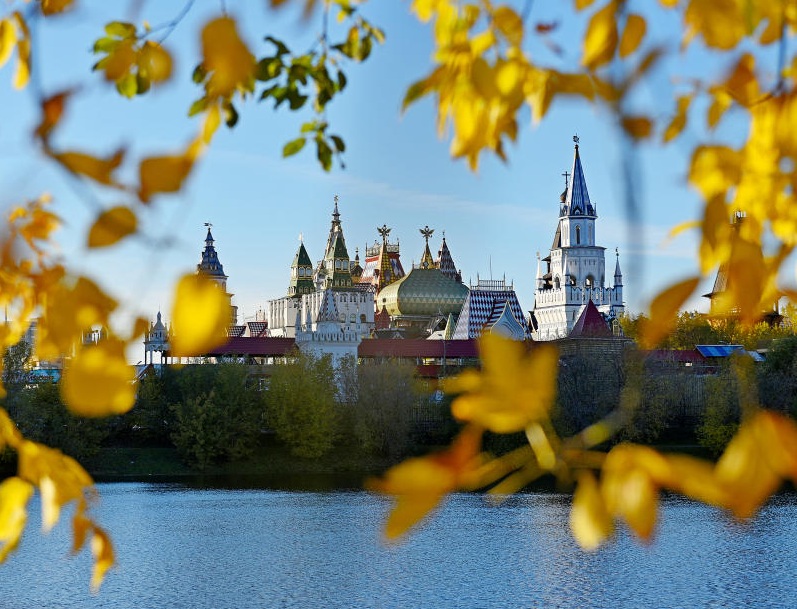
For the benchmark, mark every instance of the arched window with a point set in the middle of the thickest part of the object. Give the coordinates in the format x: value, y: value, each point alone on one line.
x: 589, y: 282
x: 578, y: 235
x: 556, y: 282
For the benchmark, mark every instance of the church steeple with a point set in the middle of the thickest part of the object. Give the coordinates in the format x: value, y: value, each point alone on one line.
x: 577, y: 201
x: 334, y: 270
x: 209, y: 265
x: 618, y: 275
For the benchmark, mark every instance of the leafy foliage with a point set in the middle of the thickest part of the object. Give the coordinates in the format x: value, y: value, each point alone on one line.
x: 301, y: 405
x: 482, y: 81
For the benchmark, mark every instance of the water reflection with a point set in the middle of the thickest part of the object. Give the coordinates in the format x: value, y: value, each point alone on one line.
x: 196, y: 548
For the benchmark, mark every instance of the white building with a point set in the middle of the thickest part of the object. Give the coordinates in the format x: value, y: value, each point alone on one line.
x: 324, y: 296
x: 575, y: 270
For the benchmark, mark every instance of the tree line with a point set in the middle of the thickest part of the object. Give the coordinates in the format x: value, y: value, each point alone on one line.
x: 215, y: 413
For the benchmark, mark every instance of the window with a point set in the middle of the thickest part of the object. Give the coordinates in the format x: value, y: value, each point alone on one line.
x: 589, y: 282
x: 556, y: 282
x: 578, y: 235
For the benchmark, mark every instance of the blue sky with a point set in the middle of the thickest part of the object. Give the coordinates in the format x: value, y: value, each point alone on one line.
x: 398, y: 171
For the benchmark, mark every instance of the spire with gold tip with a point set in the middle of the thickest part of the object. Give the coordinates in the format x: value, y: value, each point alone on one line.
x: 427, y: 262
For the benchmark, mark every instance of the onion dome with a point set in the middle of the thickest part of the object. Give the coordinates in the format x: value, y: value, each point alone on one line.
x: 423, y: 291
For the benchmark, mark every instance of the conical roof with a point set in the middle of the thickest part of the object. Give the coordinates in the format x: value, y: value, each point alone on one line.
x: 301, y: 273
x: 577, y: 201
x: 210, y: 266
x: 446, y: 263
x: 590, y: 324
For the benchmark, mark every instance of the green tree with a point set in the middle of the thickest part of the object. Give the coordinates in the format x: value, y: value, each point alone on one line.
x: 43, y: 417
x: 777, y: 376
x: 219, y: 415
x: 722, y: 413
x: 301, y: 405
x: 383, y: 413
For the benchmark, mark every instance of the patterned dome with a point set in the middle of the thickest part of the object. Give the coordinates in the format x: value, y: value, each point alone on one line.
x: 423, y: 292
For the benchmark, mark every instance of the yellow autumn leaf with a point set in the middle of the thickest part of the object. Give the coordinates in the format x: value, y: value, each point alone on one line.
x: 633, y: 33
x: 600, y: 41
x: 638, y: 127
x: 678, y: 122
x: 419, y: 484
x: 777, y: 437
x: 163, y: 174
x: 9, y: 434
x: 211, y: 123
x: 742, y: 83
x: 14, y: 496
x: 60, y: 478
x: 22, y: 69
x: 582, y: 4
x: 98, y: 169
x: 112, y: 225
x: 513, y: 389
x: 52, y: 7
x: 200, y: 316
x: 154, y: 62
x: 226, y: 58
x: 8, y: 39
x: 81, y: 525
x: 714, y: 169
x: 52, y: 111
x: 721, y: 23
x: 628, y: 487
x: 590, y: 522
x: 119, y: 61
x: 664, y: 309
x: 510, y: 24
x: 745, y: 472
x: 102, y: 550
x: 98, y: 381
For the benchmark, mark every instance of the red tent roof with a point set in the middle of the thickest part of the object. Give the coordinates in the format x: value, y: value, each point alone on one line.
x: 590, y: 324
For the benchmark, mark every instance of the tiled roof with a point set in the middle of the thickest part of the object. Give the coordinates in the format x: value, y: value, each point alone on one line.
x: 261, y: 346
x: 719, y: 350
x: 590, y: 323
x: 257, y: 328
x: 479, y: 307
x: 423, y: 292
x: 417, y: 347
x: 375, y: 347
x: 236, y: 330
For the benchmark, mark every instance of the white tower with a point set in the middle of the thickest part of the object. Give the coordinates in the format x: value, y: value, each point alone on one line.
x: 575, y: 270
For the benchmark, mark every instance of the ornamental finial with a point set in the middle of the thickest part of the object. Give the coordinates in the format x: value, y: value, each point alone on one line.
x: 575, y: 139
x: 426, y: 232
x: 384, y: 231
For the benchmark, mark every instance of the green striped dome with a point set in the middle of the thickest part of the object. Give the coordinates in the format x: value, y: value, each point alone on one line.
x: 423, y: 292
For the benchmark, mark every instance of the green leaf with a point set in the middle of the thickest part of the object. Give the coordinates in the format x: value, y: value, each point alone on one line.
x: 296, y: 101
x: 293, y: 147
x: 308, y: 127
x: 120, y: 29
x: 268, y: 68
x: 324, y: 153
x: 281, y: 48
x: 340, y: 145
x: 105, y: 45
x: 415, y: 91
x: 231, y: 115
x: 127, y: 85
x: 341, y: 80
x: 142, y: 84
x: 199, y: 74
x: 198, y: 106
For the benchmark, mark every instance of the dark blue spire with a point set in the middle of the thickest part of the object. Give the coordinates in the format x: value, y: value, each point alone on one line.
x: 577, y: 201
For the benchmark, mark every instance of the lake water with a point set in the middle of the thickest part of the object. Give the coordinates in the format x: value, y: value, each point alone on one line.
x: 208, y: 548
